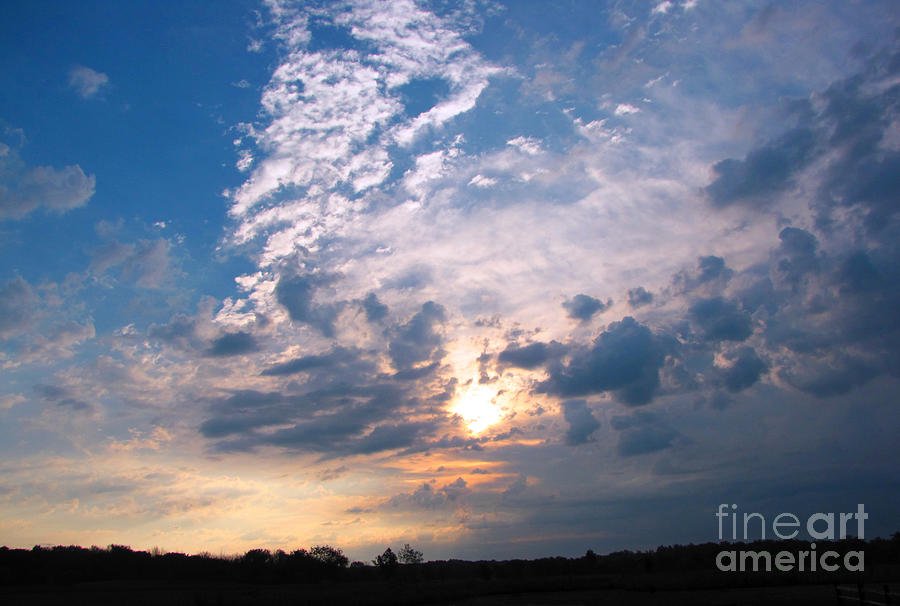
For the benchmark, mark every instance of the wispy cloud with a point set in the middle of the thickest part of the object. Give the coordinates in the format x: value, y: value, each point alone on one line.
x: 86, y: 82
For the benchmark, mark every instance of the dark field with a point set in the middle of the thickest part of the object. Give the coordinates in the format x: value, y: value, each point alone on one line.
x: 438, y: 594
x: 670, y: 575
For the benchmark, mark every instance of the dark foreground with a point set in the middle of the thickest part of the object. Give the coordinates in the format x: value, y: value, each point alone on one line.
x: 670, y: 575
x: 437, y: 594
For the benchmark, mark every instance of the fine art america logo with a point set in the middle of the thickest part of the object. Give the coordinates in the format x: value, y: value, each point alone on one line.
x: 819, y: 527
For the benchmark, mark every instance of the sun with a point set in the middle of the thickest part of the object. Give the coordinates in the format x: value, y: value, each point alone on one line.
x: 476, y: 405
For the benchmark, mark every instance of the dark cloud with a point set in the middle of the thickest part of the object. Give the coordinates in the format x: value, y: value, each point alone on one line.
x: 643, y: 440
x: 413, y: 279
x: 797, y: 243
x: 110, y: 254
x: 233, y: 344
x: 76, y: 405
x: 24, y: 189
x: 62, y: 397
x: 386, y: 437
x: 346, y: 418
x: 492, y: 322
x: 530, y: 356
x: 759, y: 294
x: 296, y: 294
x: 581, y: 422
x: 18, y: 303
x: 877, y: 183
x: 414, y: 374
x: 194, y: 334
x: 831, y: 377
x: 375, y: 309
x: 797, y: 255
x: 347, y: 409
x: 338, y: 355
x: 149, y: 265
x: 626, y: 359
x: 844, y: 131
x: 642, y: 433
x: 246, y: 410
x: 721, y: 319
x: 639, y: 296
x: 147, y: 262
x: 518, y: 486
x: 426, y: 497
x: 33, y: 327
x: 763, y: 172
x: 713, y: 268
x: 420, y: 339
x: 858, y: 113
x: 711, y: 276
x: 859, y: 275
x: 358, y: 510
x: 180, y: 331
x: 746, y: 369
x: 720, y: 400
x: 785, y: 330
x: 50, y: 392
x: 835, y: 313
x: 762, y: 19
x: 448, y: 442
x: 583, y: 307
x: 57, y: 339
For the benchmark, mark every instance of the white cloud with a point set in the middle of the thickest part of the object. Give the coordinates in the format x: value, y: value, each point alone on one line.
x: 662, y: 8
x: 529, y: 145
x: 87, y: 82
x: 329, y: 112
x: 245, y: 160
x: 334, y: 115
x: 482, y: 181
x: 429, y: 167
x: 623, y: 109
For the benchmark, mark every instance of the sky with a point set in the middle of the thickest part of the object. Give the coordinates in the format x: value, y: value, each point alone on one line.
x: 495, y: 279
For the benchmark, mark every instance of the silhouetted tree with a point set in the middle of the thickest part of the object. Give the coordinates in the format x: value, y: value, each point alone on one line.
x: 387, y: 563
x: 408, y: 555
x: 256, y: 564
x: 67, y: 565
x: 330, y: 556
x: 257, y: 557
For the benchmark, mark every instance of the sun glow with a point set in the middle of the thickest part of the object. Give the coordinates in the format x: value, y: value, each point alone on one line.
x: 477, y: 406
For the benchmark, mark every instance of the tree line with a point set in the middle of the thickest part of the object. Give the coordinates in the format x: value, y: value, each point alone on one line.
x: 61, y: 565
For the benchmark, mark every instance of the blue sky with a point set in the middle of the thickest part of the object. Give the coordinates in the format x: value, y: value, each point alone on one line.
x: 498, y: 280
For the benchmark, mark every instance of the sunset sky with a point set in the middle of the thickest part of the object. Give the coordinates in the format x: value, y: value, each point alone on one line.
x: 494, y: 279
